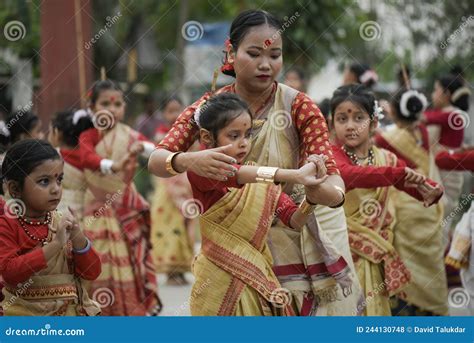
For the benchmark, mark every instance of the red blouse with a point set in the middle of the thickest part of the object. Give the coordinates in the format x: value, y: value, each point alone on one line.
x: 20, y: 256
x: 208, y: 192
x: 308, y: 119
x: 89, y: 158
x: 73, y: 157
x: 452, y: 133
x: 373, y: 177
x: 457, y: 161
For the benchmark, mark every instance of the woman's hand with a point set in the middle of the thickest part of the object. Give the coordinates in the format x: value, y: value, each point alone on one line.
x: 307, y: 175
x: 430, y: 193
x: 211, y: 163
x: 412, y: 178
x: 320, y: 163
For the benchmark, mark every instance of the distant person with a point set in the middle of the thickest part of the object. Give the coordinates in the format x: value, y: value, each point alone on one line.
x: 147, y: 122
x: 295, y: 78
x: 360, y: 73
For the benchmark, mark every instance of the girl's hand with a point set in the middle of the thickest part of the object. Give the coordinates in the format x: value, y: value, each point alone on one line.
x: 320, y: 162
x: 136, y: 148
x: 412, y: 178
x: 75, y: 228
x: 430, y: 193
x: 307, y: 175
x: 211, y: 163
x: 63, y: 228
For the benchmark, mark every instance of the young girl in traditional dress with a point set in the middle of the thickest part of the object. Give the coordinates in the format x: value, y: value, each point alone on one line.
x: 171, y: 232
x: 368, y: 173
x: 116, y: 217
x: 417, y: 231
x: 234, y: 269
x: 446, y: 123
x: 44, y: 257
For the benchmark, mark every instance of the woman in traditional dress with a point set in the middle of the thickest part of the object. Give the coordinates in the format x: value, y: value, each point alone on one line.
x: 287, y: 127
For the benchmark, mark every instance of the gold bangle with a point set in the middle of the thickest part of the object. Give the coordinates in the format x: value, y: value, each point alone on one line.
x: 169, y: 163
x: 306, y: 208
x: 343, y: 197
x: 266, y: 174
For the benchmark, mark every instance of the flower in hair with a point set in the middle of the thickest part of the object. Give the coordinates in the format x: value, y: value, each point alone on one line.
x: 378, y: 110
x: 80, y: 114
x: 198, y: 112
x: 410, y: 94
x: 369, y: 75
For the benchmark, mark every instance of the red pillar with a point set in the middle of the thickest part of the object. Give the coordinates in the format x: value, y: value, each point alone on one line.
x: 65, y: 74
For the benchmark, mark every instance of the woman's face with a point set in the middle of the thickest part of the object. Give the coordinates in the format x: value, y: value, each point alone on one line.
x: 440, y: 96
x: 258, y: 59
x: 172, y: 111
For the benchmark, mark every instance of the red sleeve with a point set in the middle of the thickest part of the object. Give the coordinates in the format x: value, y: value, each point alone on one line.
x: 87, y: 142
x: 456, y: 161
x: 312, y: 130
x: 15, y: 267
x: 285, y: 208
x: 366, y: 177
x: 412, y: 191
x: 204, y: 184
x: 88, y: 265
x: 437, y: 117
x: 184, y: 131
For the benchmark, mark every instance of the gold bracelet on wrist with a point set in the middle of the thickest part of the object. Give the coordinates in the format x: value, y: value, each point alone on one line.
x: 169, y: 163
x: 266, y: 174
x: 306, y: 208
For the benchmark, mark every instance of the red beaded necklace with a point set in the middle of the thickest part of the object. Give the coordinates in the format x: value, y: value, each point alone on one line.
x: 24, y: 222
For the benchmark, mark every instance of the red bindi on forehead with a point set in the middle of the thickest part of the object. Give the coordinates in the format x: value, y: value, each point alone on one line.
x: 267, y: 42
x: 349, y: 110
x: 112, y: 99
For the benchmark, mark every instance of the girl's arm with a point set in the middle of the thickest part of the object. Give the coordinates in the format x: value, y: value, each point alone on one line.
x: 292, y: 215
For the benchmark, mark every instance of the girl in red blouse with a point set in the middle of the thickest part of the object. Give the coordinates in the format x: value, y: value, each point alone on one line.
x: 43, y: 255
x: 368, y: 172
x: 225, y: 122
x: 116, y: 216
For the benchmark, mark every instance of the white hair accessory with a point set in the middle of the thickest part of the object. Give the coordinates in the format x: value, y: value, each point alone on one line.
x: 369, y: 75
x: 80, y: 114
x: 378, y: 110
x: 404, y: 101
x: 459, y: 93
x: 197, y: 112
x: 4, y: 129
